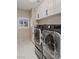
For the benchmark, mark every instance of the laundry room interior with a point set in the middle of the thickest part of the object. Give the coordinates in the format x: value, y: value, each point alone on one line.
x: 38, y: 29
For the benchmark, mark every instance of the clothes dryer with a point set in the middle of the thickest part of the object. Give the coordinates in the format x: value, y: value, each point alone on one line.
x: 51, y: 43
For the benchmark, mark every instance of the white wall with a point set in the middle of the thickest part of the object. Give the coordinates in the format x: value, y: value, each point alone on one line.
x: 23, y: 13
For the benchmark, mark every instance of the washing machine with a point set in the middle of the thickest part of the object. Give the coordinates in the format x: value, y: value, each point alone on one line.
x: 38, y: 42
x: 51, y: 42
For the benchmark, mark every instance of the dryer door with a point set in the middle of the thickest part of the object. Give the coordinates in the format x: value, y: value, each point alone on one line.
x: 57, y: 37
x: 50, y: 41
x: 37, y: 36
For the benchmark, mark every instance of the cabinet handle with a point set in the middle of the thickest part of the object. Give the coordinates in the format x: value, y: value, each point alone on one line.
x: 46, y: 12
x: 38, y: 15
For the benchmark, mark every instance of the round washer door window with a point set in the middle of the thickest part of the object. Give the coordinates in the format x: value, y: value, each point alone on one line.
x: 53, y: 41
x: 50, y: 42
x: 37, y: 36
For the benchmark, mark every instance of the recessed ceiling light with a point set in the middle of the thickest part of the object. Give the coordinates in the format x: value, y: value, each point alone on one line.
x: 33, y: 0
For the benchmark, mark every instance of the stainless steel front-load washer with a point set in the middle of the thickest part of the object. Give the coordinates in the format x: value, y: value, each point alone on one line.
x: 38, y: 43
x: 51, y: 43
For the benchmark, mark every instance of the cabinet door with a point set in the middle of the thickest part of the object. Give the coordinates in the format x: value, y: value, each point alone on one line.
x: 57, y: 6
x: 51, y: 7
x: 41, y: 10
x: 44, y: 9
x: 38, y: 12
x: 54, y: 7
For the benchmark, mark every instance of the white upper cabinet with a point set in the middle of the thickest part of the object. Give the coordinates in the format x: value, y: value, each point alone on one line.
x: 57, y: 6
x: 48, y: 8
x: 40, y: 10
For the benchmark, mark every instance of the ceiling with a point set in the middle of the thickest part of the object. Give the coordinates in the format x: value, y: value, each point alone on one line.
x: 27, y: 4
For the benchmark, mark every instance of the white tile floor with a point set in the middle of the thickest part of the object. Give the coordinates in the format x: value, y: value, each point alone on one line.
x: 25, y: 49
